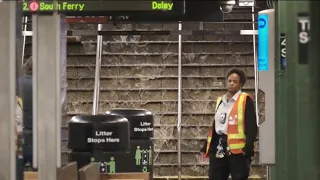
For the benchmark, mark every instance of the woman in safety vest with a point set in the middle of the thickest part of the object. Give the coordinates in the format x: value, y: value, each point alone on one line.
x: 230, y: 142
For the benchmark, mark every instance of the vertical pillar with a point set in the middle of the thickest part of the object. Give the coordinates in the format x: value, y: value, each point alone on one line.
x: 47, y: 93
x: 19, y: 45
x: 314, y: 120
x: 7, y: 89
x: 291, y: 92
x: 19, y: 74
x: 299, y: 139
x: 280, y: 170
x: 266, y: 69
x: 63, y: 77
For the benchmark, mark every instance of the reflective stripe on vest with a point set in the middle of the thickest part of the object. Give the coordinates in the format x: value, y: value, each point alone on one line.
x: 218, y: 102
x: 236, y: 135
x: 20, y: 103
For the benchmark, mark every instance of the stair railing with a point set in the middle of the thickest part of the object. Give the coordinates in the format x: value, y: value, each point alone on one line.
x: 255, y: 59
x: 179, y: 99
x: 24, y: 28
x: 96, y: 93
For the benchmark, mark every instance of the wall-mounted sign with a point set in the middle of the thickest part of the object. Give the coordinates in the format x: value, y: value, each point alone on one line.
x: 283, y: 62
x: 263, y: 43
x: 303, y: 23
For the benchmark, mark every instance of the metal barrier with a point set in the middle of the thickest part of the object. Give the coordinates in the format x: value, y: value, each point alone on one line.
x: 68, y: 172
x: 90, y: 172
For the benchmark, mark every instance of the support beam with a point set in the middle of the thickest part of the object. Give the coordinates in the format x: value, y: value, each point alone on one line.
x: 47, y: 93
x: 313, y: 167
x: 7, y: 90
x: 299, y: 122
x: 280, y: 169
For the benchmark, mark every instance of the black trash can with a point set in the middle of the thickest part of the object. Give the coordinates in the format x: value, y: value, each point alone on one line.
x: 141, y: 131
x: 98, y: 132
x: 141, y: 121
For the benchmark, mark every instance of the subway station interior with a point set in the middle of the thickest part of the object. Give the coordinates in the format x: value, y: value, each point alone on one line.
x: 127, y: 89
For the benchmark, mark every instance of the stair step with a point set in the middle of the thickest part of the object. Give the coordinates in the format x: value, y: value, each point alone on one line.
x: 237, y: 59
x: 192, y: 164
x: 160, y: 114
x: 223, y: 38
x: 153, y: 83
x: 84, y: 108
x: 205, y: 109
x: 252, y: 177
x: 197, y: 170
x: 217, y: 37
x: 156, y: 113
x: 154, y: 77
x: 165, y: 159
x: 160, y: 48
x: 183, y: 126
x: 151, y: 101
x: 164, y: 42
x: 154, y: 71
x: 249, y: 52
x: 160, y: 65
x: 94, y: 42
x: 152, y: 89
x: 138, y: 46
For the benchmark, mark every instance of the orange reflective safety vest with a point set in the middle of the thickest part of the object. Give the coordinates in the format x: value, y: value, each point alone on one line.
x: 235, y: 131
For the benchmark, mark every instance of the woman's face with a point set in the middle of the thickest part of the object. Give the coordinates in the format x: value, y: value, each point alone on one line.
x: 233, y: 83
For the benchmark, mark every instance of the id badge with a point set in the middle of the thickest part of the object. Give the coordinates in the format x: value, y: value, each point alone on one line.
x: 223, y: 118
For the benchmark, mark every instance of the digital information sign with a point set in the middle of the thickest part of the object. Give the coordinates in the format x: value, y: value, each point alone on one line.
x: 74, y: 8
x: 263, y: 42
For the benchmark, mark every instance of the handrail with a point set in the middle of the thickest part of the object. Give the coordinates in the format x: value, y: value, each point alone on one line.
x: 179, y: 100
x: 96, y: 93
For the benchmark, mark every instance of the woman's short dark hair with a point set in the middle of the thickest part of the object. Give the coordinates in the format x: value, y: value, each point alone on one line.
x: 240, y: 73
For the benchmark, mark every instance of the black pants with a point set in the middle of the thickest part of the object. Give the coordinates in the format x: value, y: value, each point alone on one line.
x: 19, y: 169
x: 236, y: 165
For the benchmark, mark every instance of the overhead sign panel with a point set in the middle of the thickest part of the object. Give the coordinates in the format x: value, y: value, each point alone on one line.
x: 81, y: 8
x: 131, y: 10
x: 188, y: 10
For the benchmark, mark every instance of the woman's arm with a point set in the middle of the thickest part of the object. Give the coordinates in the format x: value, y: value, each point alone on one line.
x: 251, y: 128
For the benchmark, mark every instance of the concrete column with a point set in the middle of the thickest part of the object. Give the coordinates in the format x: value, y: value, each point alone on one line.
x: 47, y: 52
x: 8, y: 90
x: 311, y: 164
x: 280, y: 168
x: 299, y: 121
